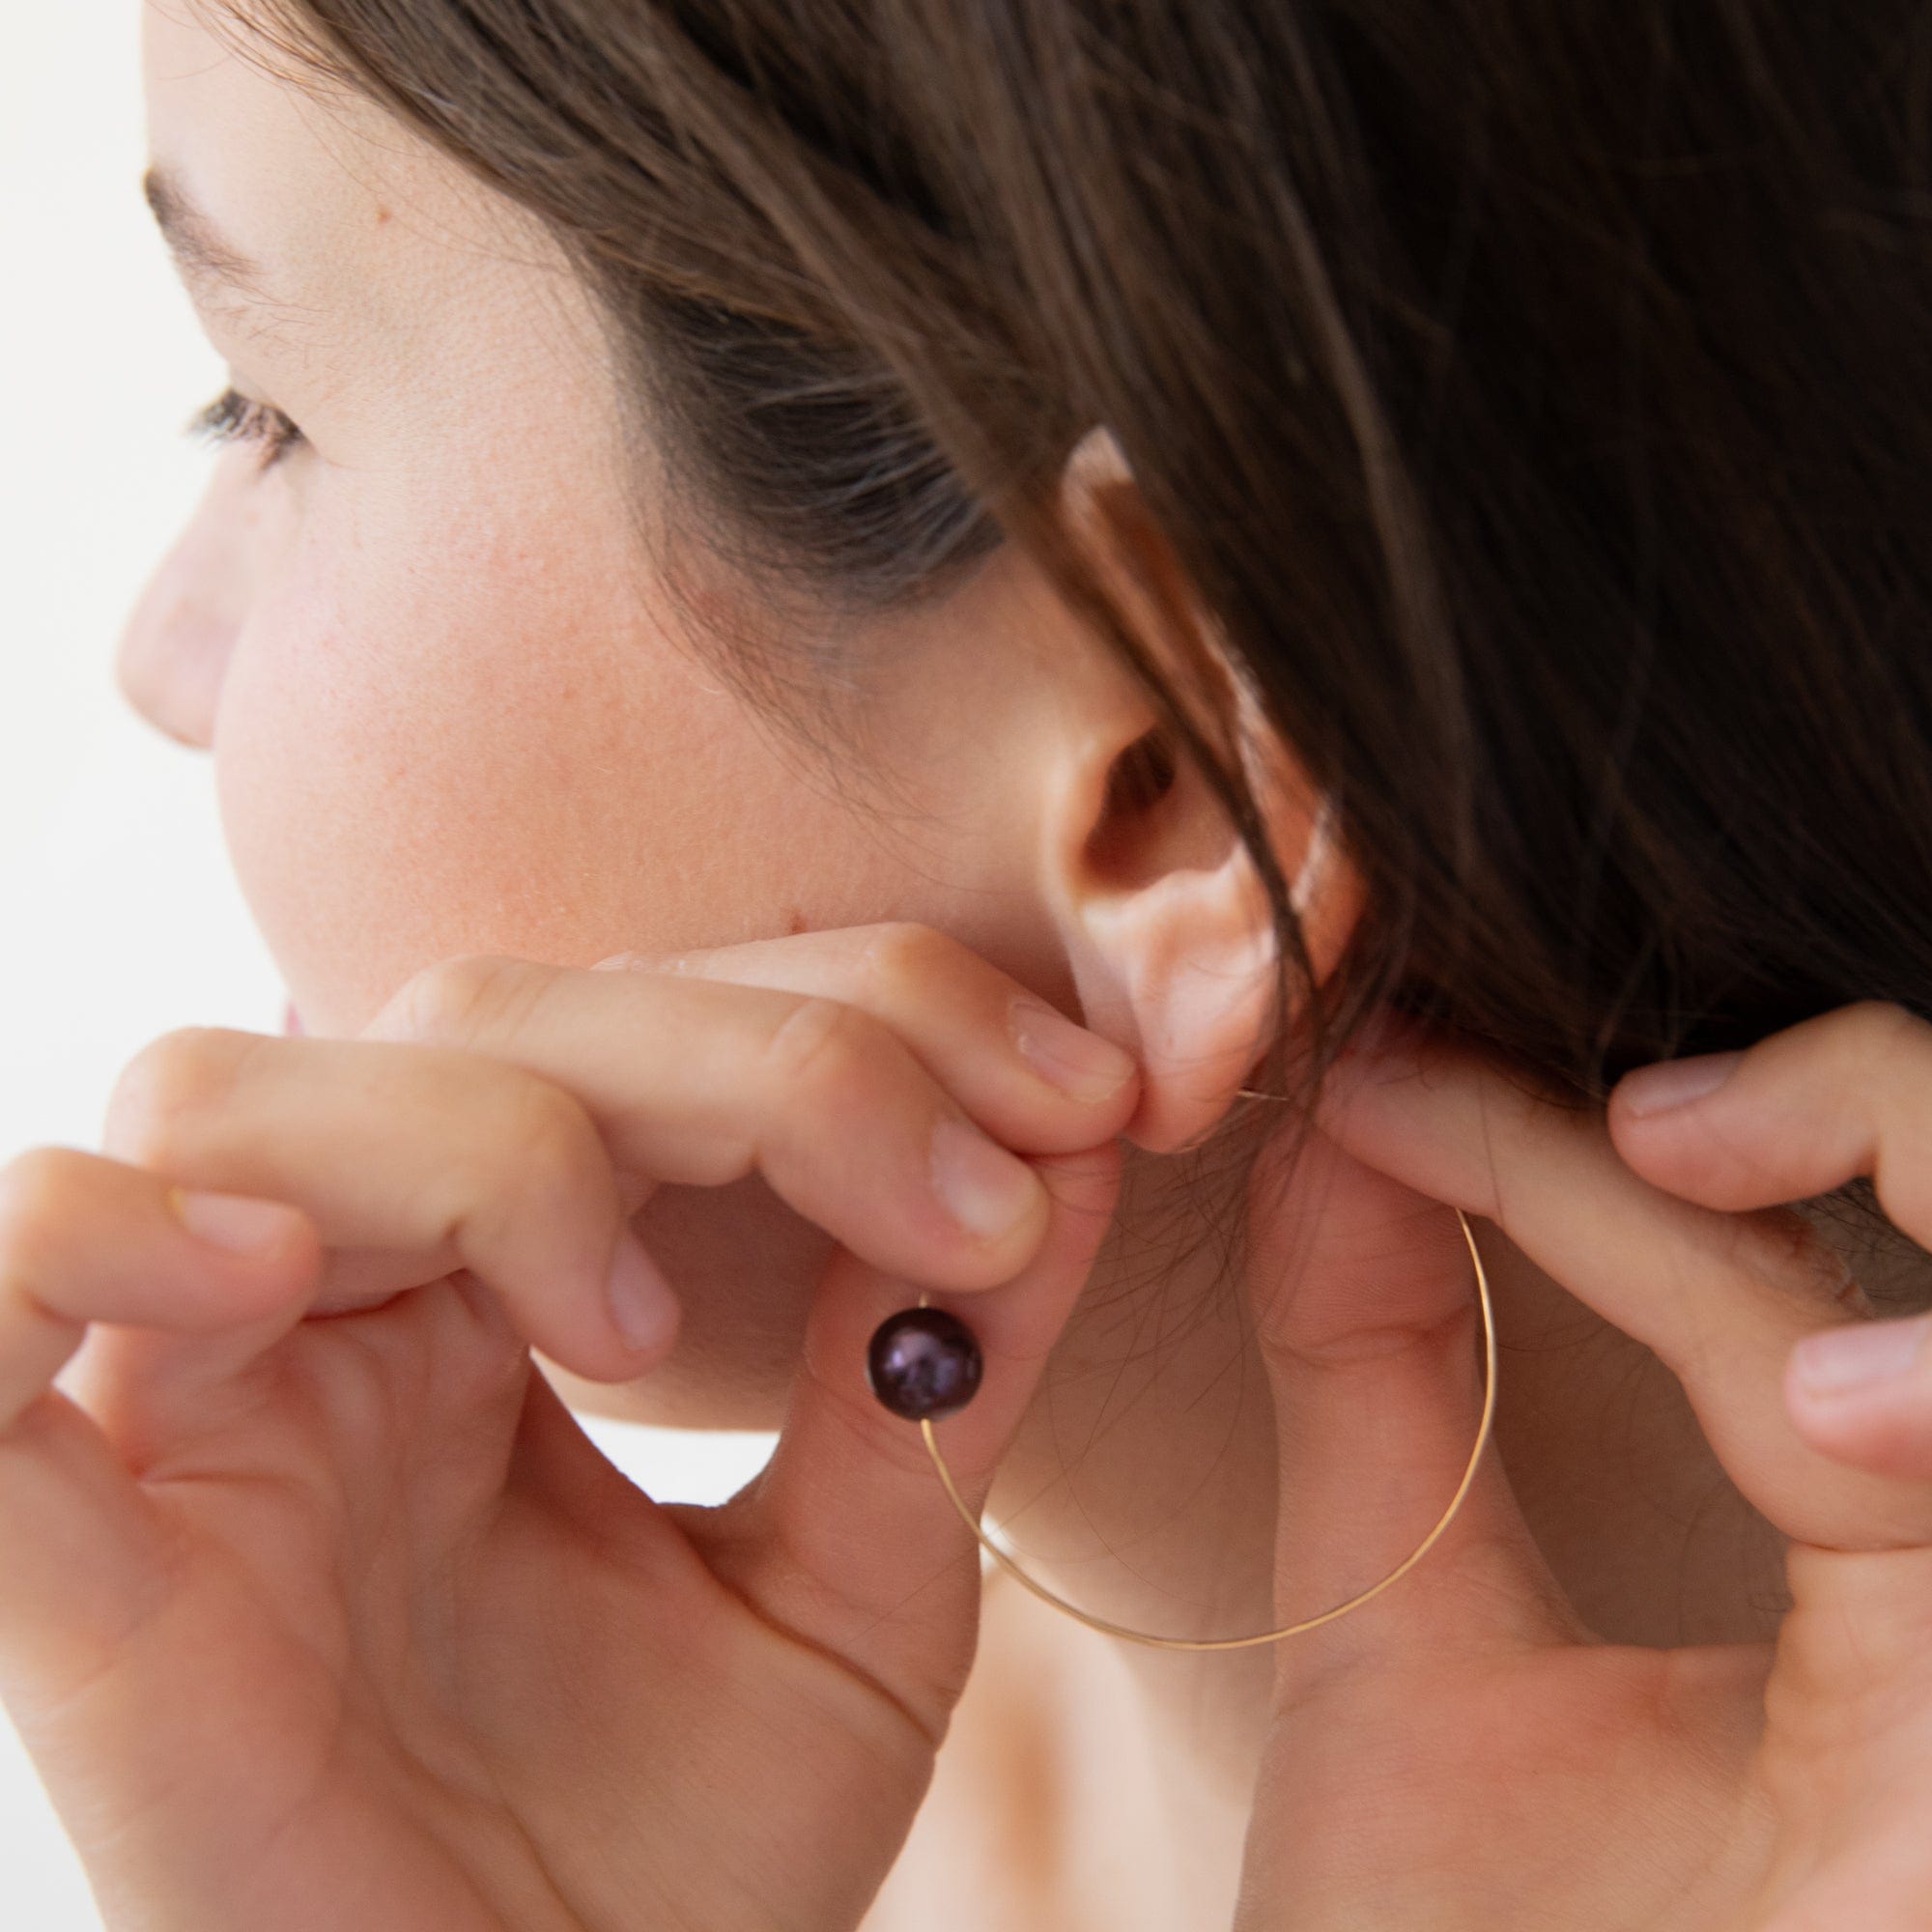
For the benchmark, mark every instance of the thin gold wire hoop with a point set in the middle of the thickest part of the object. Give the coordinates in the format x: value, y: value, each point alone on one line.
x: 1327, y: 1616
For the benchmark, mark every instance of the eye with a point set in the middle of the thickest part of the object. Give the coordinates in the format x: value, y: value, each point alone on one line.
x: 232, y: 418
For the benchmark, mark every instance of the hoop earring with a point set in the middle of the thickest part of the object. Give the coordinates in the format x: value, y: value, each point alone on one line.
x: 925, y: 1362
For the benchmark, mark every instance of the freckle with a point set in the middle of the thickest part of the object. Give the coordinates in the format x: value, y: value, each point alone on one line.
x: 794, y: 924
x: 381, y: 215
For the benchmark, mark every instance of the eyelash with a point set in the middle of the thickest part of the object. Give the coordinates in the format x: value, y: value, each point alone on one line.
x: 232, y: 418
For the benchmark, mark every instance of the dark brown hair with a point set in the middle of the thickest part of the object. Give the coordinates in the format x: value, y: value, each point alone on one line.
x: 1537, y: 395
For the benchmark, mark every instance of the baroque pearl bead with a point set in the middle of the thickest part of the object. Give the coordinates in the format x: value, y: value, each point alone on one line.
x: 922, y: 1362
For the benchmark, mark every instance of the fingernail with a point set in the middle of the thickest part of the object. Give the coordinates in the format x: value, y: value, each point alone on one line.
x: 1673, y: 1083
x: 237, y: 1223
x: 1078, y: 1063
x: 1837, y: 1361
x: 641, y: 1302
x: 985, y: 1188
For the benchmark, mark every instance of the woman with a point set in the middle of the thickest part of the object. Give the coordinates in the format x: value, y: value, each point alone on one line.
x: 770, y: 557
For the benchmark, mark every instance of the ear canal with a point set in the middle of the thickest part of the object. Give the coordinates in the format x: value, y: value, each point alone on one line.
x: 1139, y: 778
x: 1142, y: 775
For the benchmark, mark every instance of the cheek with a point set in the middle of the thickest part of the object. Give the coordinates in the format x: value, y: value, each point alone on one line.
x: 430, y: 753
x: 426, y: 751
x: 418, y: 761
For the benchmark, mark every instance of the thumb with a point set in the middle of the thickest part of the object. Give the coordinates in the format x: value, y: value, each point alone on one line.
x: 848, y: 1537
x: 1368, y: 1319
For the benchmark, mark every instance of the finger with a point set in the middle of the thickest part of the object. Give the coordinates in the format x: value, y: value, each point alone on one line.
x: 85, y: 1240
x: 1862, y: 1394
x: 466, y: 1161
x: 1803, y: 1111
x: 848, y: 1537
x: 358, y: 1279
x: 477, y: 1161
x: 1366, y: 1313
x: 1720, y: 1298
x: 700, y: 1082
x: 1848, y: 1093
x: 1034, y: 1079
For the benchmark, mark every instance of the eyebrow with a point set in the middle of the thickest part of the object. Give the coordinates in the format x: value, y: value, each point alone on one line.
x: 193, y: 240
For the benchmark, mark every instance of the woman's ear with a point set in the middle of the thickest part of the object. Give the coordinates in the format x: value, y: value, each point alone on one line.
x: 1167, y: 928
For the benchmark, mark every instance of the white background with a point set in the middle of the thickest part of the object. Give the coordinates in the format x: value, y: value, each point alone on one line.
x: 118, y: 917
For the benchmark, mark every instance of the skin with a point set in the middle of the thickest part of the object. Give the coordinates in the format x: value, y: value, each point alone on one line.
x: 323, y: 1610
x: 407, y: 644
x: 1471, y: 1753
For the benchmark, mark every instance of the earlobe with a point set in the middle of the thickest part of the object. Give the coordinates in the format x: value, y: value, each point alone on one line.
x: 1182, y: 968
x: 1187, y: 962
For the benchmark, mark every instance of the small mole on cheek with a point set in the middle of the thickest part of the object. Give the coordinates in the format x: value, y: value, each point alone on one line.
x: 794, y: 924
x: 381, y: 215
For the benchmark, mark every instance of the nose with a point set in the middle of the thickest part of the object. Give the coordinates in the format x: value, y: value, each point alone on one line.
x: 178, y: 637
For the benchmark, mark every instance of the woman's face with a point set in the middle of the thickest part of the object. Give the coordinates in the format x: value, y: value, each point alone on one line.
x: 446, y: 707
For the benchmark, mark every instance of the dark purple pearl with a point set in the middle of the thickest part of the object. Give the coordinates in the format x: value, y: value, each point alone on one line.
x: 922, y: 1362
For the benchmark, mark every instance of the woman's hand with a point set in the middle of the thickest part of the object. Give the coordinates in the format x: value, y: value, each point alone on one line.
x: 1462, y: 1752
x: 317, y: 1607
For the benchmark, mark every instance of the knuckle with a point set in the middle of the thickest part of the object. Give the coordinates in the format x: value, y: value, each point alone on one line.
x: 172, y: 1082
x: 541, y: 1144
x: 823, y: 1047
x: 457, y: 1002
x: 1881, y: 1027
x: 902, y: 953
